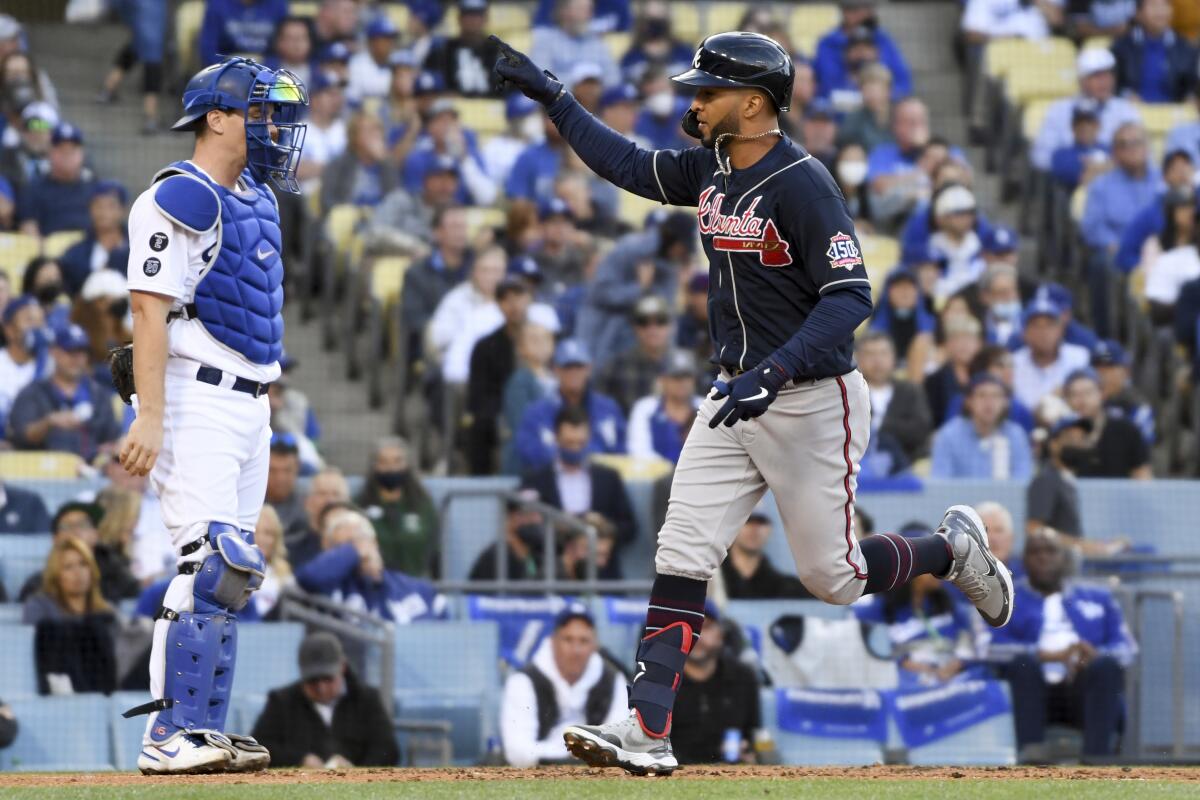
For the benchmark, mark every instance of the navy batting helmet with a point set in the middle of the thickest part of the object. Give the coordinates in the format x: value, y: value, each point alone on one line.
x: 239, y: 84
x: 739, y: 59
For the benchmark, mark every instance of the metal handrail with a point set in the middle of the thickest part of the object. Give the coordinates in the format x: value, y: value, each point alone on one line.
x: 1134, y: 745
x: 554, y: 519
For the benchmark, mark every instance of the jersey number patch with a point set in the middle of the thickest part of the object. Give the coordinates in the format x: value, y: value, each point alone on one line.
x: 772, y: 250
x: 843, y: 252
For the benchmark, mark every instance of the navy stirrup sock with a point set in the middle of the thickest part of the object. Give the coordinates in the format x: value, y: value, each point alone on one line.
x: 893, y: 560
x: 673, y: 623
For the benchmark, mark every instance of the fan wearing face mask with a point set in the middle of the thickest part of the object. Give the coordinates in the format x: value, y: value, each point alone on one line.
x: 406, y: 523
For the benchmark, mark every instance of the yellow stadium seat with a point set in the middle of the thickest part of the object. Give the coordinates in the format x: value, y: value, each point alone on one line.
x: 1034, y: 116
x: 1003, y: 55
x: 879, y: 252
x: 1027, y: 82
x: 685, y: 22
x: 481, y: 114
x: 1097, y: 43
x: 808, y: 23
x: 303, y: 8
x: 480, y: 217
x: 1078, y: 203
x: 39, y: 465
x: 188, y: 19
x: 398, y: 13
x: 1160, y: 118
x: 56, y: 244
x: 630, y: 468
x: 618, y: 44
x: 341, y: 225
x: 520, y: 40
x: 502, y: 19
x: 720, y: 17
x: 632, y: 209
x: 16, y: 250
x: 387, y: 278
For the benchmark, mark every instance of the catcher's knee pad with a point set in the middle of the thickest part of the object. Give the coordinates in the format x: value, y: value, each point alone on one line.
x: 227, y: 576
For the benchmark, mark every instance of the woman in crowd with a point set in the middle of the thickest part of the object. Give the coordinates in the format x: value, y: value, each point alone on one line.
x: 122, y: 508
x: 268, y: 536
x: 70, y: 585
x: 43, y: 279
x: 1176, y: 261
x: 851, y: 175
x: 400, y: 509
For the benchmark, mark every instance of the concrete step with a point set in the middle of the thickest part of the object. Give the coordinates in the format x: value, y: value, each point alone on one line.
x: 925, y: 32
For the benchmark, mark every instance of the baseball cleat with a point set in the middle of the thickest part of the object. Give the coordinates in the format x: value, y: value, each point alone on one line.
x: 977, y: 573
x: 251, y: 756
x: 183, y: 754
x: 621, y: 744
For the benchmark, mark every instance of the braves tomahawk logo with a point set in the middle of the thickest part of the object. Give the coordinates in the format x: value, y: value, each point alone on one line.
x: 743, y: 233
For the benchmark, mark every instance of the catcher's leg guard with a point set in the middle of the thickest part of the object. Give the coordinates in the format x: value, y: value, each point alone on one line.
x: 195, y: 636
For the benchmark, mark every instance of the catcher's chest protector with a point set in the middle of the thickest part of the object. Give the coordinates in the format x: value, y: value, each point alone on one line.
x: 240, y: 296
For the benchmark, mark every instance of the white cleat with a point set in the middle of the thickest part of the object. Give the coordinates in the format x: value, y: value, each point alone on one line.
x: 621, y: 744
x: 185, y: 753
x: 981, y: 576
x: 251, y: 756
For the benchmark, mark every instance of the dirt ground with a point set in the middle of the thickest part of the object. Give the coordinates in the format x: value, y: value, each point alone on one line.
x: 292, y: 776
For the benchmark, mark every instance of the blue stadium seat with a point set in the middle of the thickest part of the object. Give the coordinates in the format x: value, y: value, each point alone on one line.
x: 54, y: 492
x: 637, y: 557
x: 18, y: 676
x: 126, y: 733
x: 21, y: 555
x: 450, y: 671
x: 470, y: 523
x: 60, y: 734
x: 798, y: 749
x: 266, y: 656
x: 523, y: 621
x: 10, y: 613
x: 619, y: 622
x: 990, y: 743
x: 244, y: 712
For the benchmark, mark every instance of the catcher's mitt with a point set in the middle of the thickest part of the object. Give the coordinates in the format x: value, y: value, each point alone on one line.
x: 120, y: 364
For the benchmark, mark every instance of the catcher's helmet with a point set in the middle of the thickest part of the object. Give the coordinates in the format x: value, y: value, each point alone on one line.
x: 237, y: 84
x: 740, y: 59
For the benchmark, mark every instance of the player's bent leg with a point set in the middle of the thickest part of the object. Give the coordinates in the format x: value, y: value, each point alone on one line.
x: 251, y: 756
x: 192, y: 659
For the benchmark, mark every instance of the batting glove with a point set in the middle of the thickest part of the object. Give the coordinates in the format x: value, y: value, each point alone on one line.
x: 515, y: 68
x: 749, y: 394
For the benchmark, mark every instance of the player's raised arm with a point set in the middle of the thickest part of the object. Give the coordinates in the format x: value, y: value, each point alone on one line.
x: 668, y: 176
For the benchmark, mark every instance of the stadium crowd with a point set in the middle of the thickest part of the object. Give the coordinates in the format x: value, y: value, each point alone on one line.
x: 565, y: 328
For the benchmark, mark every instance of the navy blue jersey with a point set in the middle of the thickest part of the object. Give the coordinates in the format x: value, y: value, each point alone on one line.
x: 778, y: 235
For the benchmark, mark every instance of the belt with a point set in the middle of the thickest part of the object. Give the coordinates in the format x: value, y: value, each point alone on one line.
x: 186, y: 312
x: 214, y: 376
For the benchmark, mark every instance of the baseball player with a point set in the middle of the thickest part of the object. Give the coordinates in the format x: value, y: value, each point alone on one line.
x: 205, y: 281
x: 789, y: 412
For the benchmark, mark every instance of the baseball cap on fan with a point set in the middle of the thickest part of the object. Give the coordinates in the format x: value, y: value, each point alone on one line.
x: 1094, y: 59
x: 321, y: 656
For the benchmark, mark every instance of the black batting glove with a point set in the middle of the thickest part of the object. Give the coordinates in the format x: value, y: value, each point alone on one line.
x: 514, y: 68
x: 748, y: 395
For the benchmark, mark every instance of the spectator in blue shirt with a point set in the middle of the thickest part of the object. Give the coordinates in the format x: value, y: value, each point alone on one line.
x: 914, y: 237
x: 22, y: 511
x: 105, y: 246
x: 239, y: 27
x: 901, y: 313
x: 1083, y: 159
x: 1113, y: 200
x: 653, y: 44
x: 659, y: 423
x: 1100, y: 17
x: 658, y: 122
x: 535, y: 442
x: 605, y: 16
x: 58, y: 200
x: 996, y: 360
x: 1069, y: 648
x: 832, y: 67
x: 350, y: 570
x: 444, y: 136
x: 533, y: 173
x: 1179, y: 171
x: 68, y: 411
x: 1155, y: 64
x: 571, y: 40
x: 930, y: 630
x: 982, y: 442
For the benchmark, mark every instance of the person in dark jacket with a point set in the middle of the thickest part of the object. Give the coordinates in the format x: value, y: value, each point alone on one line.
x: 898, y: 407
x: 428, y: 281
x: 405, y: 520
x: 524, y: 535
x: 1154, y: 63
x: 576, y: 485
x: 747, y: 571
x: 8, y: 725
x: 465, y: 61
x: 327, y: 719
x: 493, y: 361
x: 105, y: 245
x: 22, y: 511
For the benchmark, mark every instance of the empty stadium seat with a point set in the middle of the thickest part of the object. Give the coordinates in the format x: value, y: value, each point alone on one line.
x: 188, y: 19
x: 398, y: 13
x: 245, y: 710
x: 480, y: 217
x: 21, y: 555
x: 1160, y: 118
x: 618, y: 44
x: 800, y: 749
x: 484, y: 115
x: 720, y: 17
x: 807, y: 23
x: 58, y: 243
x: 469, y: 523
x: 685, y: 21
x: 267, y: 654
x: 16, y: 250
x: 18, y: 677
x: 341, y: 224
x: 1005, y: 55
x: 523, y: 622
x: 303, y: 8
x: 38, y: 464
x: 60, y: 734
x: 632, y: 209
x: 10, y: 613
x: 387, y: 278
x: 450, y: 671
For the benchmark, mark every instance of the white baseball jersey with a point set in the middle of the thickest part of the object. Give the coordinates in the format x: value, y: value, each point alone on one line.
x: 167, y: 259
